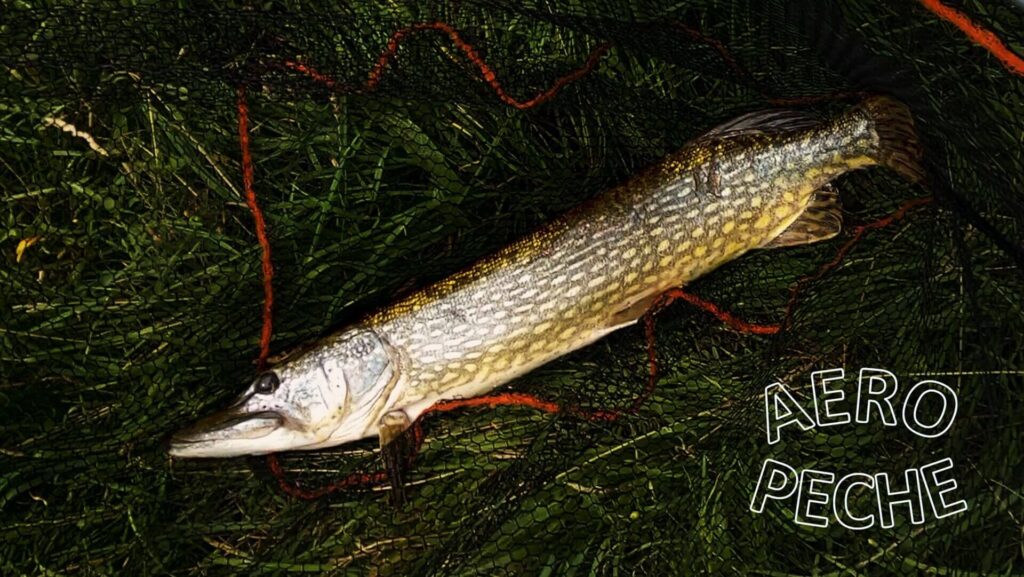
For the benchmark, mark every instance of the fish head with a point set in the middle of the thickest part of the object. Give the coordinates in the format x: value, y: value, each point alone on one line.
x: 329, y: 395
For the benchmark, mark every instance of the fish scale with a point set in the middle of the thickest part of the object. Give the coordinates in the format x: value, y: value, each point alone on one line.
x: 659, y: 230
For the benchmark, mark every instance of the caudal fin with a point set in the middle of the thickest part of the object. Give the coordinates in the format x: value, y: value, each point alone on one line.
x: 898, y: 146
x: 822, y: 26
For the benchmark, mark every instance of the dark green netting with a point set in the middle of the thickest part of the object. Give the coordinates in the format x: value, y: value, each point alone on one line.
x: 130, y: 288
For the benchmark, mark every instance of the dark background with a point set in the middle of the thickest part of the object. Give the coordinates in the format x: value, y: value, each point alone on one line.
x: 133, y: 303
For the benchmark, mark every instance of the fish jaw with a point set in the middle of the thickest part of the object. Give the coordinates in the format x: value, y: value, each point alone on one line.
x: 234, y: 432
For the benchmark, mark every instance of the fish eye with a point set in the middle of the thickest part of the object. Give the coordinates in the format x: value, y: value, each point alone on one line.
x: 266, y: 383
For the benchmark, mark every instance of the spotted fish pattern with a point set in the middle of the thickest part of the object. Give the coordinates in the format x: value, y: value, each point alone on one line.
x: 759, y: 181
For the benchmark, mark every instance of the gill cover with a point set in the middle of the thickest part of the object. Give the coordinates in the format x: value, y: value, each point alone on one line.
x: 359, y: 368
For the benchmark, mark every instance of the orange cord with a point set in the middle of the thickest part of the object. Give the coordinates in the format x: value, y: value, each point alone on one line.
x: 715, y: 45
x: 981, y: 36
x: 391, y: 50
x: 261, y: 229
x: 491, y: 401
x: 724, y: 316
x: 352, y: 481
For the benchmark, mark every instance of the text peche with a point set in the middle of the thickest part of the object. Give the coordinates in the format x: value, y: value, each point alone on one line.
x: 817, y: 495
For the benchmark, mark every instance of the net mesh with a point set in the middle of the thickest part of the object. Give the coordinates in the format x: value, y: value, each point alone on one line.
x: 392, y: 145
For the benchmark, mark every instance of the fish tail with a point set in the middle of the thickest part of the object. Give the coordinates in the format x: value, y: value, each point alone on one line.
x: 898, y: 146
x: 842, y: 49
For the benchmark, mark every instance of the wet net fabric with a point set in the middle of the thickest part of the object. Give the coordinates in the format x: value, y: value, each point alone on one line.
x: 132, y: 287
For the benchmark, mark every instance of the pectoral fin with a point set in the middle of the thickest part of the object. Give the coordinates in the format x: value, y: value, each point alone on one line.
x: 397, y: 446
x: 821, y: 220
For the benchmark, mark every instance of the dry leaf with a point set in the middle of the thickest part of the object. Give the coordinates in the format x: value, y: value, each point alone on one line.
x: 22, y: 245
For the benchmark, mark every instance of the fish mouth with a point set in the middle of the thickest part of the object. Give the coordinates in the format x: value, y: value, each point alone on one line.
x: 225, y: 433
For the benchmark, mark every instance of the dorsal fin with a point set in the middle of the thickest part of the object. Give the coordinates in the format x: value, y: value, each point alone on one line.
x: 764, y: 122
x: 821, y: 220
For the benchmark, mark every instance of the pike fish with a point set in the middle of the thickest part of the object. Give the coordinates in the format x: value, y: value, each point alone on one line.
x: 760, y: 181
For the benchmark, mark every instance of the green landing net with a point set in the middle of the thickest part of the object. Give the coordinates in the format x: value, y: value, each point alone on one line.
x: 392, y: 144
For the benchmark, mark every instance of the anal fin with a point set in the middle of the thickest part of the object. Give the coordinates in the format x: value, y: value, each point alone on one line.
x: 821, y: 220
